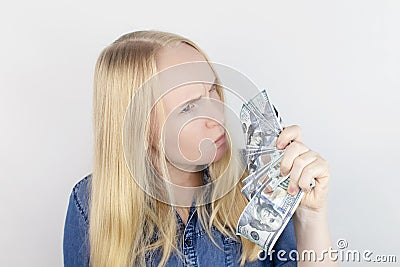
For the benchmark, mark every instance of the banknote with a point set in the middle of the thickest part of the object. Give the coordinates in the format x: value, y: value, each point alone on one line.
x: 255, y: 179
x: 261, y: 102
x: 261, y: 127
x: 267, y: 214
x: 258, y: 129
x: 260, y: 146
x: 270, y: 207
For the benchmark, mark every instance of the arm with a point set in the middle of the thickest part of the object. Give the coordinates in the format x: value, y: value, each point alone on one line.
x: 310, y: 218
x: 312, y: 232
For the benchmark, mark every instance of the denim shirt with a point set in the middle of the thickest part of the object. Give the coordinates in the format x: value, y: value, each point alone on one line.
x: 194, y: 242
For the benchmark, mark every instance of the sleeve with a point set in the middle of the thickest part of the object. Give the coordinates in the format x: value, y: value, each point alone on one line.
x: 285, y: 249
x: 76, y: 237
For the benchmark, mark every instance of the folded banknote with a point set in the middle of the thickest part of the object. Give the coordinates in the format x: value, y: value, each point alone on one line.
x: 270, y: 206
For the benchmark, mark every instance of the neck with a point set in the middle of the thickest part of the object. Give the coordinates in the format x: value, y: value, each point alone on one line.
x: 190, y: 178
x: 185, y: 183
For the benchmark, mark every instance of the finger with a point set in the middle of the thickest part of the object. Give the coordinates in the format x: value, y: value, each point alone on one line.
x: 287, y: 135
x: 268, y: 189
x: 317, y: 169
x: 298, y: 165
x: 292, y: 151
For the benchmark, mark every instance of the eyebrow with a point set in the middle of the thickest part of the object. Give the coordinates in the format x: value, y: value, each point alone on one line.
x: 196, y: 98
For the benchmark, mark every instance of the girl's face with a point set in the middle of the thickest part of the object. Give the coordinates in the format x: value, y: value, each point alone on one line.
x: 193, y: 127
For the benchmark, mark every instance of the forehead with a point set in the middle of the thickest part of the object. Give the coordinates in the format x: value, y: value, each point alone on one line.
x: 177, y: 65
x: 173, y: 55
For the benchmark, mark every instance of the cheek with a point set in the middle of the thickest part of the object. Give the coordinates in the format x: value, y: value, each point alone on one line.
x: 183, y: 145
x: 190, y: 139
x: 192, y: 144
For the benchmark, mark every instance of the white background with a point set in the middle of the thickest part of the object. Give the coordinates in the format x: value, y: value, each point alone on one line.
x: 330, y: 66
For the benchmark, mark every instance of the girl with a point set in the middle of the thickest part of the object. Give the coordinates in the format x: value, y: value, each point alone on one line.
x: 123, y: 214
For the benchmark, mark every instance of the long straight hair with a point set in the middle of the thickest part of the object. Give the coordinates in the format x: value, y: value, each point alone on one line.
x: 125, y: 222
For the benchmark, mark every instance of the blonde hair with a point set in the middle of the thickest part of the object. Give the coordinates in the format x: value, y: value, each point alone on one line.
x: 123, y: 218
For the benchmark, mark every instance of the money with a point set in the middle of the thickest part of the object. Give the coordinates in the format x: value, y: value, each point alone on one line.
x: 270, y: 206
x: 267, y: 214
x: 254, y: 181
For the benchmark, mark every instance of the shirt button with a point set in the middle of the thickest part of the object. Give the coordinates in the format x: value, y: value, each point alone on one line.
x: 188, y: 242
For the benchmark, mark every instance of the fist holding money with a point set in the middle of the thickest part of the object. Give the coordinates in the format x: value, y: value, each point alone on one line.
x: 303, y: 165
x: 282, y: 171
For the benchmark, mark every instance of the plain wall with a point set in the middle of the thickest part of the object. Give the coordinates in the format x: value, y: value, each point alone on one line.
x: 331, y: 67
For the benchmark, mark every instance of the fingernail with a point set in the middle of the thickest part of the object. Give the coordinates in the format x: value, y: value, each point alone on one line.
x: 291, y: 190
x: 279, y: 145
x: 268, y: 189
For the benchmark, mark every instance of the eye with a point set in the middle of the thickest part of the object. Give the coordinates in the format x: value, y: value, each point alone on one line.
x: 188, y: 108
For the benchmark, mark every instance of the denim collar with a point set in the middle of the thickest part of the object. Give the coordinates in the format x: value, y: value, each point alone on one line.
x: 206, y: 180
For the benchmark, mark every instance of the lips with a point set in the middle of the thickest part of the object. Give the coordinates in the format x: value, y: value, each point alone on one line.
x: 220, y: 140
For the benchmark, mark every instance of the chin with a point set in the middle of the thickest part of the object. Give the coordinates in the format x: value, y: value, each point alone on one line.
x: 220, y: 153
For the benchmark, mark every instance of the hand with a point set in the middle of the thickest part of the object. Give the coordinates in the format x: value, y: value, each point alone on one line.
x: 303, y: 165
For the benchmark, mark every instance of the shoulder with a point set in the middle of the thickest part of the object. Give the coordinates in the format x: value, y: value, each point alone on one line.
x: 80, y: 196
x: 76, y: 229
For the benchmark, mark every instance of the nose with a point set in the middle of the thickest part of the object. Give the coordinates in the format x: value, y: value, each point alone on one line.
x: 215, y: 112
x: 212, y: 122
x: 216, y: 118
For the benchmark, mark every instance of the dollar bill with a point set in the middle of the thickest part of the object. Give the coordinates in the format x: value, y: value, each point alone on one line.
x: 270, y: 207
x: 267, y: 214
x: 262, y: 103
x: 258, y: 129
x: 252, y: 182
x: 260, y: 145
